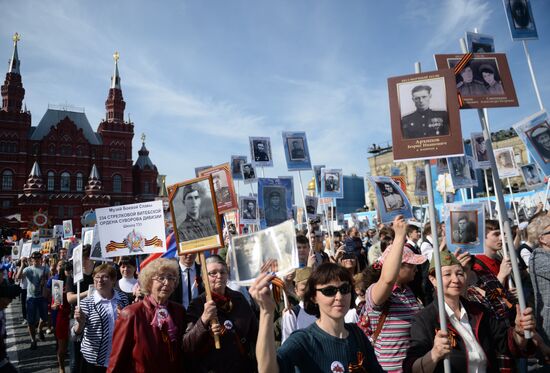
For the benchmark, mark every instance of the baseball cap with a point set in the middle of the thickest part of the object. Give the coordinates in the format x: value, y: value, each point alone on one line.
x: 408, y: 256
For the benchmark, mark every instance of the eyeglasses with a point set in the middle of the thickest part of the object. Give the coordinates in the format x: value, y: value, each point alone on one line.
x: 330, y: 291
x: 215, y: 273
x: 165, y: 279
x: 102, y: 278
x: 544, y: 233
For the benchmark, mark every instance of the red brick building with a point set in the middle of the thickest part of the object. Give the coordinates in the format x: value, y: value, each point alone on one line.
x: 61, y: 168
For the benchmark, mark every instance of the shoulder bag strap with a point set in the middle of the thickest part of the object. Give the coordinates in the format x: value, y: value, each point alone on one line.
x: 381, y: 321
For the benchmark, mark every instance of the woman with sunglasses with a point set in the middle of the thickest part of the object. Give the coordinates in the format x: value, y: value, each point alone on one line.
x: 234, y: 322
x: 329, y: 344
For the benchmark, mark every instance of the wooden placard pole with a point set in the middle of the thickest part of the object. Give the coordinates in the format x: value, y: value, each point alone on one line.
x: 305, y: 211
x: 208, y: 295
x: 512, y: 201
x: 78, y: 294
x: 488, y: 195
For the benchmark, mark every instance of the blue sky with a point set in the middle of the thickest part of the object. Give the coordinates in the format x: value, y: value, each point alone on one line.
x: 199, y: 77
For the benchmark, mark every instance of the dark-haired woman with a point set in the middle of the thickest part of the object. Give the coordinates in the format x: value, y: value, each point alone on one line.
x: 329, y: 344
x: 62, y: 314
x: 127, y: 283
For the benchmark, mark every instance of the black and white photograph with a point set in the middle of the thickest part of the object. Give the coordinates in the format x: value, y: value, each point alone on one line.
x: 249, y: 173
x: 248, y: 210
x: 78, y: 274
x: 332, y: 183
x: 480, y: 43
x: 224, y: 189
x: 442, y: 166
x: 296, y: 151
x: 540, y: 139
x: 391, y: 196
x: 506, y: 162
x: 260, y: 151
x: 531, y: 175
x: 198, y: 170
x: 420, y: 187
x: 473, y: 166
x: 317, y: 175
x: 479, y: 150
x: 423, y: 107
x: 460, y: 172
x: 236, y: 166
x: 57, y: 291
x: 391, y: 201
x: 274, y: 197
x: 419, y: 213
x: 195, y: 215
x: 520, y: 19
x: 464, y: 227
x: 296, y: 148
x: 311, y: 206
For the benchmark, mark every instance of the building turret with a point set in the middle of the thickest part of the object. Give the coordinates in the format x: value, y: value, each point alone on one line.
x: 115, y: 104
x: 13, y: 92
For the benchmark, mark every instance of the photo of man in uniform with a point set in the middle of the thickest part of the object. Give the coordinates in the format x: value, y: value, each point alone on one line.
x: 480, y: 149
x: 236, y: 166
x: 221, y: 189
x: 540, y: 138
x: 195, y: 226
x: 248, y: 171
x: 260, y: 151
x: 467, y: 85
x: 392, y: 199
x: 520, y: 14
x: 505, y: 162
x: 275, y: 206
x: 296, y: 148
x: 418, y: 213
x: 424, y: 122
x: 531, y: 175
x: 248, y: 256
x: 332, y: 182
x: 464, y: 227
x: 420, y: 182
x: 249, y: 210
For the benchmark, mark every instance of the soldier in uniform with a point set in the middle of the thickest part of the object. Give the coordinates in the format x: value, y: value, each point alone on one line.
x: 275, y: 213
x: 194, y: 226
x: 331, y: 183
x: 466, y: 231
x: 250, y: 212
x: 260, y: 154
x: 222, y: 192
x: 469, y: 86
x: 424, y: 122
x: 297, y: 150
x: 392, y: 198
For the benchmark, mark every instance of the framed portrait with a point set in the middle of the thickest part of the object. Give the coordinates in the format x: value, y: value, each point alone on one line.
x: 420, y: 214
x: 16, y: 250
x: 425, y: 120
x: 465, y: 227
x: 78, y: 273
x: 479, y: 43
x: 484, y: 82
x: 236, y: 166
x: 506, y: 162
x: 400, y: 181
x: 195, y: 216
x: 67, y: 228
x: 249, y: 173
x: 249, y: 210
x: 274, y: 201
x: 291, y: 185
x: 420, y: 186
x: 311, y: 206
x: 460, y: 172
x: 479, y: 150
x: 391, y: 200
x: 96, y: 253
x: 332, y: 183
x: 199, y: 169
x: 57, y: 291
x: 260, y: 151
x: 224, y: 189
x: 473, y: 166
x: 531, y: 176
x: 534, y: 132
x: 442, y: 166
x: 317, y: 176
x: 296, y: 151
x: 520, y: 19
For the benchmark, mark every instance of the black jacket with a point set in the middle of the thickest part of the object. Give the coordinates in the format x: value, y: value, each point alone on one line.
x: 177, y: 295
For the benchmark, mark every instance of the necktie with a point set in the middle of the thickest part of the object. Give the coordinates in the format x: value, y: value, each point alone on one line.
x: 189, y: 293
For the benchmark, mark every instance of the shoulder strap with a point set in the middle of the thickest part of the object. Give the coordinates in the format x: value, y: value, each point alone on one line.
x: 480, y: 262
x: 296, y: 310
x: 381, y: 320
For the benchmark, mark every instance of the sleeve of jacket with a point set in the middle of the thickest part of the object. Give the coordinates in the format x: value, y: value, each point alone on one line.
x: 503, y: 338
x: 197, y: 334
x: 422, y: 340
x: 123, y: 343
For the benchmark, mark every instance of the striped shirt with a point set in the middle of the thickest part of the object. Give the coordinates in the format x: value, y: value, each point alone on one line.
x: 392, y: 342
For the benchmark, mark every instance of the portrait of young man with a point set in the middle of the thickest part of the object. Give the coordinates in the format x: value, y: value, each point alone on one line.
x: 248, y: 171
x: 197, y: 217
x: 540, y: 138
x: 424, y: 121
x: 296, y: 148
x: 391, y: 197
x: 221, y: 188
x: 480, y: 149
x: 249, y: 209
x: 531, y: 175
x: 260, y: 151
x: 332, y: 182
x: 275, y: 206
x: 464, y: 227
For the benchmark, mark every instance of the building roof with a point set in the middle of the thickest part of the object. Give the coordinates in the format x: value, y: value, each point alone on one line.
x: 143, y: 159
x: 54, y: 116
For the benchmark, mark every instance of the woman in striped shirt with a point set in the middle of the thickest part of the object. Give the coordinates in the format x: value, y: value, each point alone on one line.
x: 96, y: 318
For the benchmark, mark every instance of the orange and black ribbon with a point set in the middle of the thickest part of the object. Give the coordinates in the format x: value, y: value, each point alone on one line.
x: 113, y: 246
x: 498, y: 293
x: 278, y: 288
x: 357, y: 368
x: 451, y: 334
x: 458, y: 68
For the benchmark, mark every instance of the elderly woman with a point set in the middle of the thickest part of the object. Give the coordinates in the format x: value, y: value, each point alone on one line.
x: 96, y: 319
x: 473, y: 339
x: 148, y: 335
x: 128, y: 281
x: 237, y: 326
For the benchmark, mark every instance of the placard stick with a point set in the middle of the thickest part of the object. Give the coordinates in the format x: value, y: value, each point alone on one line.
x: 331, y: 226
x: 263, y: 172
x: 472, y: 193
x: 463, y: 194
x: 436, y: 254
x: 208, y: 295
x: 512, y: 201
x: 488, y: 196
x: 532, y: 71
x: 546, y: 195
x: 305, y: 210
x: 78, y: 294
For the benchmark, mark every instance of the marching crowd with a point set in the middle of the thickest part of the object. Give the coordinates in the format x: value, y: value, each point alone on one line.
x: 367, y: 305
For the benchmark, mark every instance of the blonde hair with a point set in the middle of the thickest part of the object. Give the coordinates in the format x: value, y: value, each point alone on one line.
x: 536, y: 228
x: 154, y: 268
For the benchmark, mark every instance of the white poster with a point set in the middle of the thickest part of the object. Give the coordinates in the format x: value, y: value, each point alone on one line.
x: 87, y: 235
x: 78, y: 272
x: 67, y: 228
x: 57, y: 291
x: 26, y: 249
x: 131, y: 229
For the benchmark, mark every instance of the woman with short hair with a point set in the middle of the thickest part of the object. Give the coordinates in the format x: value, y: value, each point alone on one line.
x: 127, y: 283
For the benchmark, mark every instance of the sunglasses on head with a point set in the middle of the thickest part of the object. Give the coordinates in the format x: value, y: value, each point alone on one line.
x: 330, y: 291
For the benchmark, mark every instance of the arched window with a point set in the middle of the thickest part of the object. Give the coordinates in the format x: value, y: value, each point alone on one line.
x: 117, y: 184
x: 146, y: 187
x: 65, y: 183
x: 51, y: 149
x: 51, y: 181
x: 66, y: 150
x: 79, y: 182
x: 7, y: 180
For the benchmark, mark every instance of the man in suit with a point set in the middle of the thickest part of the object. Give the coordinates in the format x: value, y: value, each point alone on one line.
x: 191, y: 284
x: 424, y: 122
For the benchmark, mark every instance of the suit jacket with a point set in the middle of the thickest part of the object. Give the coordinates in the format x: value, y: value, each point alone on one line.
x: 177, y: 295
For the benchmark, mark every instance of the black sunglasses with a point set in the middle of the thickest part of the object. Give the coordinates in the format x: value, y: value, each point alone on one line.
x: 330, y: 291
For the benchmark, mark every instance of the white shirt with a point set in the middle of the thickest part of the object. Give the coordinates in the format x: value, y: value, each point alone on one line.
x: 291, y: 323
x: 477, y: 360
x: 109, y: 305
x: 127, y: 285
x: 427, y: 248
x: 192, y: 278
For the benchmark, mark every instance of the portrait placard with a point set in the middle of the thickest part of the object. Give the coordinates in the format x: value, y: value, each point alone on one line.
x: 199, y: 169
x: 506, y: 162
x: 420, y: 186
x: 485, y: 81
x: 78, y: 272
x: 236, y: 166
x: 442, y: 166
x: 274, y: 201
x: 420, y: 213
x: 531, y: 176
x: 250, y: 252
x: 473, y: 166
x: 58, y: 231
x: 311, y: 206
x: 479, y: 150
x: 67, y: 228
x: 520, y: 19
x: 249, y: 210
x: 96, y: 253
x: 195, y: 216
x: 57, y: 291
x: 296, y: 151
x: 291, y: 178
x: 479, y: 43
x: 133, y: 229
x: 26, y: 249
x: 224, y: 189
x: 260, y: 151
x: 249, y: 173
x: 332, y: 183
x: 534, y: 131
x: 390, y: 199
x: 460, y: 172
x: 425, y: 120
x: 465, y: 227
x: 16, y: 250
x: 87, y: 238
x: 317, y: 176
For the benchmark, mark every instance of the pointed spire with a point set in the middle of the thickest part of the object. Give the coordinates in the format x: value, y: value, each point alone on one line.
x: 35, y: 171
x: 34, y: 183
x: 94, y: 174
x: 14, y: 61
x: 94, y: 186
x: 115, y: 79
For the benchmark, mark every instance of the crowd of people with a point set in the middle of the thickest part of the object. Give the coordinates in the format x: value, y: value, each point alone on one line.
x: 359, y: 302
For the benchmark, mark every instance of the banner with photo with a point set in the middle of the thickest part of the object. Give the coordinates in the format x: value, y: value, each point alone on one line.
x: 473, y: 166
x: 296, y: 151
x: 291, y: 178
x: 317, y: 177
x: 460, y: 172
x: 425, y: 119
x: 479, y: 150
x: 273, y: 249
x: 133, y: 229
x: 506, y: 162
x: 16, y: 249
x: 479, y: 43
x: 201, y: 168
x: 67, y: 228
x: 390, y: 199
x: 78, y: 269
x: 26, y: 249
x: 224, y: 189
x: 520, y: 19
x: 420, y: 186
x: 465, y: 227
x: 57, y: 231
x: 311, y: 206
x: 420, y: 214
x: 332, y: 183
x: 237, y: 162
x: 95, y: 253
x: 249, y: 173
x: 531, y: 176
x: 274, y: 201
x: 248, y: 210
x: 57, y: 291
x: 260, y: 151
x: 484, y: 82
x: 534, y: 131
